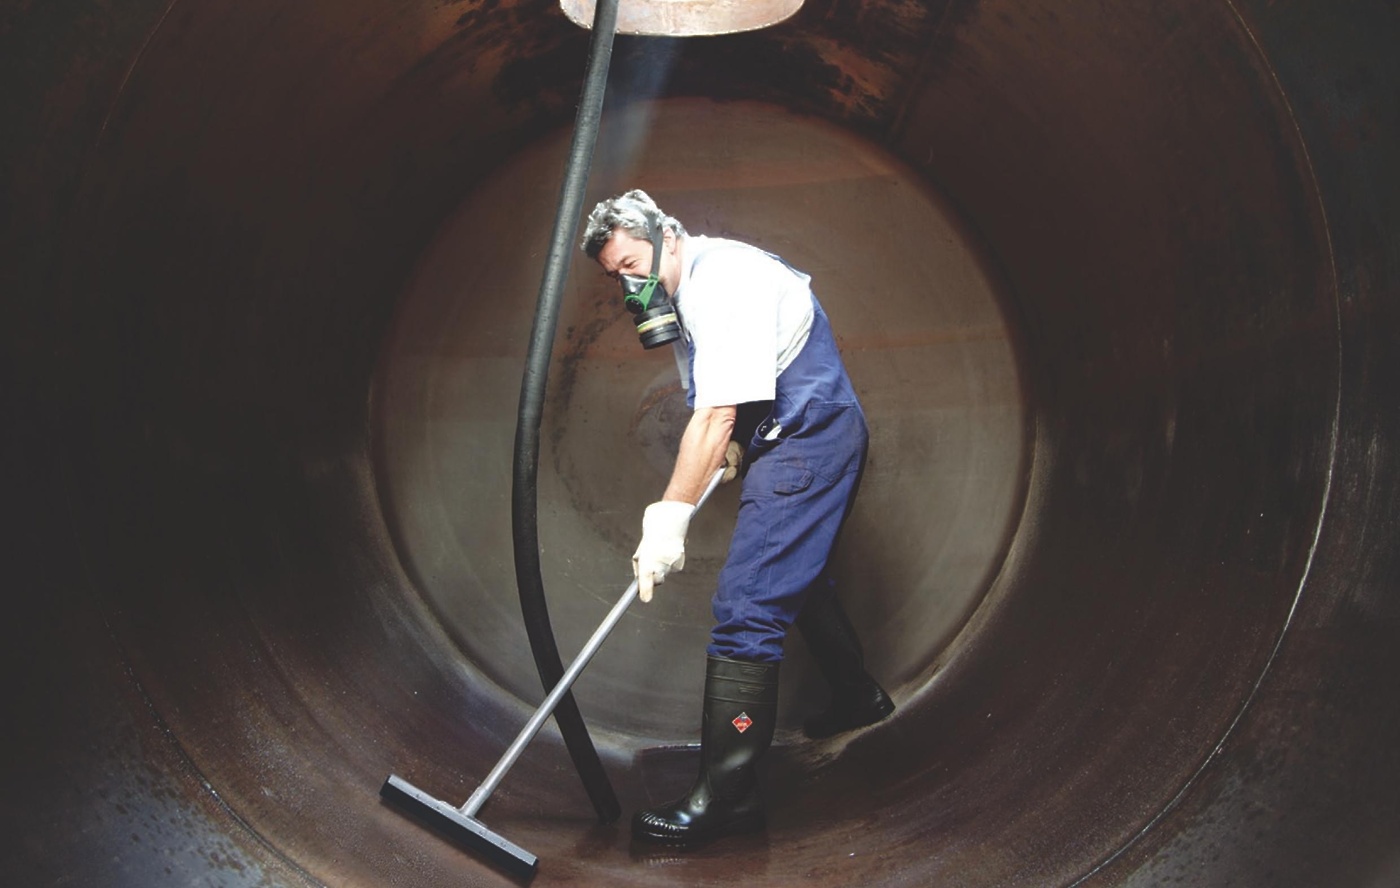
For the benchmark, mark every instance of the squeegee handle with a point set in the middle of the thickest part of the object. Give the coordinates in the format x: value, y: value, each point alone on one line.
x: 532, y: 727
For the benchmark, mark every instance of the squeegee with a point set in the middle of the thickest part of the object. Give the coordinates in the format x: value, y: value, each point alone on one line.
x: 461, y: 822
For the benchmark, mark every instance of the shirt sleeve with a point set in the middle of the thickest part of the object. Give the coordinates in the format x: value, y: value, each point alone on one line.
x: 730, y: 310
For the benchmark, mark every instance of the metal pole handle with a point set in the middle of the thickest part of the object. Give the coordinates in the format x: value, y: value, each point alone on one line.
x: 532, y: 727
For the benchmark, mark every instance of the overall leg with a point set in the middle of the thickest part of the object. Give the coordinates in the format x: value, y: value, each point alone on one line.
x: 788, y: 521
x: 787, y: 543
x: 857, y: 699
x: 788, y: 518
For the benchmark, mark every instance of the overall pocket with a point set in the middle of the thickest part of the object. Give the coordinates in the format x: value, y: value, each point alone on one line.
x: 829, y: 442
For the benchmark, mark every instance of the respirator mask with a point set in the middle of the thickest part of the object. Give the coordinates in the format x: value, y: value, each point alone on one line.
x: 646, y: 298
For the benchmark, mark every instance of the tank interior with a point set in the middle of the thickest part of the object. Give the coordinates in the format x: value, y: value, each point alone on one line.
x: 1117, y: 286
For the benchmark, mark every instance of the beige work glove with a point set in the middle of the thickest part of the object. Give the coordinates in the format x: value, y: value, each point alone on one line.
x: 662, y: 549
x: 733, y: 460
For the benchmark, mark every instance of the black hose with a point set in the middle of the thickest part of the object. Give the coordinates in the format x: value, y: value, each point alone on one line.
x: 525, y: 487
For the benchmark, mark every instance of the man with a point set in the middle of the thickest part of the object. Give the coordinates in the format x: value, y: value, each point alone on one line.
x: 769, y: 392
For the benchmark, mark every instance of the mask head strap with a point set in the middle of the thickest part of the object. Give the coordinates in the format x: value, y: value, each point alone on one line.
x: 640, y: 300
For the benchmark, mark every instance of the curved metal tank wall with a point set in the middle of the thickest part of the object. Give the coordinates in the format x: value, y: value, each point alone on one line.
x: 1118, y: 284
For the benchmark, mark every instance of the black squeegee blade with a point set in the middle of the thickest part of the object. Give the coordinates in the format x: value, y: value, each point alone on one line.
x: 470, y: 831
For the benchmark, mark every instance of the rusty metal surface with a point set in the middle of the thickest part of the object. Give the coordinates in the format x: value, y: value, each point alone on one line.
x: 258, y: 379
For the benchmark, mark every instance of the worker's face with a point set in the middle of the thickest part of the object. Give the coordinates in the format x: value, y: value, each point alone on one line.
x: 625, y: 254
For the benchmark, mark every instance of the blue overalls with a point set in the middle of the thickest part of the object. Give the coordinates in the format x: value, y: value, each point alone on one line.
x: 797, y: 491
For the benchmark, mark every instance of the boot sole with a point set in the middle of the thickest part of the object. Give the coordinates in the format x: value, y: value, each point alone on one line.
x: 873, y: 717
x: 744, y: 825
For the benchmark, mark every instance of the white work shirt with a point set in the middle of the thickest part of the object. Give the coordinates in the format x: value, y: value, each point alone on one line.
x: 745, y: 314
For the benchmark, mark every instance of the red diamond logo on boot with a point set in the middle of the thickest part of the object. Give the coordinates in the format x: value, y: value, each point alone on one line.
x: 743, y: 722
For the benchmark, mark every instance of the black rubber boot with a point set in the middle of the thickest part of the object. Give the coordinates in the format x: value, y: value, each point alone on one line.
x: 856, y: 699
x: 741, y: 705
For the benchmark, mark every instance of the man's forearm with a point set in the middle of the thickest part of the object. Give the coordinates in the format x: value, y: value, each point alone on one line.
x: 701, y: 452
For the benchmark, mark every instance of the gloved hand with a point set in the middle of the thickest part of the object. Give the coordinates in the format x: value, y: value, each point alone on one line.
x: 733, y: 460
x: 662, y: 549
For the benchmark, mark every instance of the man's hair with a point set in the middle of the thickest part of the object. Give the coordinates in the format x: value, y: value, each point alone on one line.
x: 632, y: 213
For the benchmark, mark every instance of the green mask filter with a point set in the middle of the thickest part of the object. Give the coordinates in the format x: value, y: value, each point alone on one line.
x: 647, y: 299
